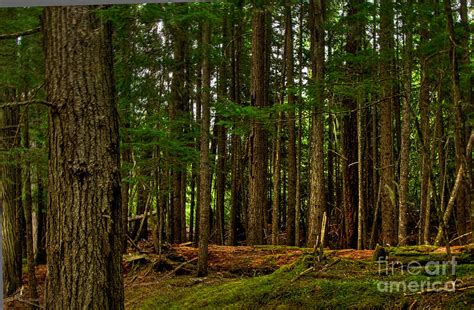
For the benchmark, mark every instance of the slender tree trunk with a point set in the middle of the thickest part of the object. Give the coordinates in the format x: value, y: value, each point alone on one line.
x: 28, y: 205
x: 205, y: 192
x: 405, y: 135
x: 40, y: 255
x: 84, y: 241
x: 291, y: 167
x: 258, y: 157
x: 222, y: 137
x: 388, y: 235
x: 198, y: 143
x: 298, y: 150
x: 425, y: 131
x: 276, y: 183
x: 317, y: 188
x: 236, y: 188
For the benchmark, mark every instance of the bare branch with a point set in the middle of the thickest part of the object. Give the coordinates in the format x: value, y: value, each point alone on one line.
x: 23, y: 103
x: 19, y: 34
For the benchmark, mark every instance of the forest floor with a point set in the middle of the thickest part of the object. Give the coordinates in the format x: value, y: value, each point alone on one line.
x: 285, y: 277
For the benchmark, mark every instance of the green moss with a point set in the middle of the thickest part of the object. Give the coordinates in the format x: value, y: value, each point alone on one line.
x: 347, y: 284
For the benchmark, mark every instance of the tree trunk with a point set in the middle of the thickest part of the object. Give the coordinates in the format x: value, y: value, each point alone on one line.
x: 405, y: 135
x: 177, y: 114
x: 258, y: 157
x: 291, y: 167
x: 28, y: 205
x: 236, y: 187
x: 317, y: 188
x: 276, y: 184
x: 10, y: 196
x: 349, y: 144
x: 425, y: 131
x: 205, y: 204
x: 388, y: 234
x: 222, y: 137
x: 84, y: 234
x: 40, y: 207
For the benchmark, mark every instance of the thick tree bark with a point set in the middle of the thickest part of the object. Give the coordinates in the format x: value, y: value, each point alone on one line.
x: 317, y: 187
x: 84, y: 234
x: 389, y: 226
x: 177, y: 113
x: 205, y: 198
x: 10, y: 196
x: 258, y: 157
x: 349, y: 144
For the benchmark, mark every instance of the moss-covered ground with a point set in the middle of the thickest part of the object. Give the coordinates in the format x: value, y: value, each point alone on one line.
x: 343, y: 279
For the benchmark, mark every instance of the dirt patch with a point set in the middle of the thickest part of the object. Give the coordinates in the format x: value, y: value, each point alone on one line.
x: 244, y: 258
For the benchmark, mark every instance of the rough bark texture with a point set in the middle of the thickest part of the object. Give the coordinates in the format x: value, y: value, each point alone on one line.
x: 177, y: 113
x: 258, y: 157
x: 317, y: 188
x: 349, y: 144
x: 84, y: 240
x: 388, y: 235
x: 205, y: 192
x: 10, y: 196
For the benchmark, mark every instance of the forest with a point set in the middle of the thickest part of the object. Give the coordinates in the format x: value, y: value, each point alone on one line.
x: 237, y: 154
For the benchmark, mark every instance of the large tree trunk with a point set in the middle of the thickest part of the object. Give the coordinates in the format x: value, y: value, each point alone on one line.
x: 258, y: 157
x: 317, y: 188
x: 205, y: 192
x: 84, y: 234
x: 349, y: 143
x: 10, y: 200
x: 389, y: 226
x: 177, y: 113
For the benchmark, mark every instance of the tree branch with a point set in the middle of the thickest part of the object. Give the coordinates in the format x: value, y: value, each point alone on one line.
x: 27, y: 102
x: 19, y: 34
